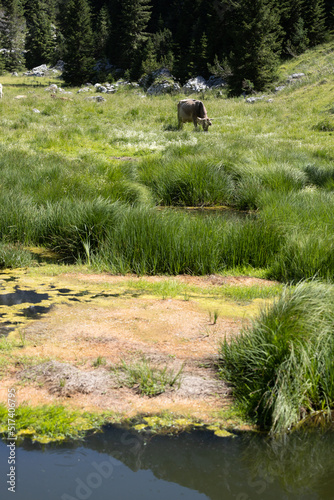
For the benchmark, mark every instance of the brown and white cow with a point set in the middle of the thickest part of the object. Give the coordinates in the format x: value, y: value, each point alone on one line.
x: 192, y: 110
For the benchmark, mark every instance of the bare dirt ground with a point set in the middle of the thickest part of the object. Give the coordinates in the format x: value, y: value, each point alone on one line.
x: 70, y: 354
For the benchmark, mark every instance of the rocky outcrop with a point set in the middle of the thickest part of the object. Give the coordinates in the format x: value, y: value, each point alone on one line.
x: 44, y: 70
x: 197, y: 84
x: 163, y: 86
x: 160, y: 81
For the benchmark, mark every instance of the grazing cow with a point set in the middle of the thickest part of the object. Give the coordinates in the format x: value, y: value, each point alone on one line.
x: 191, y: 110
x: 1, y: 93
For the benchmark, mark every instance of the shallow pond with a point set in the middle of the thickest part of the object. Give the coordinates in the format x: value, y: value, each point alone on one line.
x: 123, y: 465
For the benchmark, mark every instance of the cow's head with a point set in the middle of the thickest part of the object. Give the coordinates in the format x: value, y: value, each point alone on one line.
x: 205, y: 122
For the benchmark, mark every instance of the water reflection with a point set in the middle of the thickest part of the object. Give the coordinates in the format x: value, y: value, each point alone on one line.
x: 21, y: 296
x: 119, y: 464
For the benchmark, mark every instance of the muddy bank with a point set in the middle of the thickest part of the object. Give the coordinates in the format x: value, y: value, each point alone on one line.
x: 70, y: 352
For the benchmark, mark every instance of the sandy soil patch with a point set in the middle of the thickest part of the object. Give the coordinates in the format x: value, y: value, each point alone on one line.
x: 57, y: 363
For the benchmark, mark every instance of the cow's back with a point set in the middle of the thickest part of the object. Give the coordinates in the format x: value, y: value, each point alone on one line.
x: 187, y: 110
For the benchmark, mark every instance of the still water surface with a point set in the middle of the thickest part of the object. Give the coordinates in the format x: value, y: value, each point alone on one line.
x: 122, y: 465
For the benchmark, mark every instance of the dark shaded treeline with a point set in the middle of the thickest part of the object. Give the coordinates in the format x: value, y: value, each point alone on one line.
x: 241, y: 40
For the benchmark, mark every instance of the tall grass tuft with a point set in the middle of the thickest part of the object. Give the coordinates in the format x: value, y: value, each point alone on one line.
x: 187, y: 180
x: 12, y: 256
x: 281, y: 367
x: 147, y: 241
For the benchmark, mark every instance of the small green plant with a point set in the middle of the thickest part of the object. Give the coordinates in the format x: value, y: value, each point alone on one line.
x: 326, y: 125
x: 100, y: 361
x: 148, y: 380
x: 22, y: 336
x: 213, y: 316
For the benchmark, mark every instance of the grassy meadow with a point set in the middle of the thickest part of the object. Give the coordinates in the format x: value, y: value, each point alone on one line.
x: 95, y: 181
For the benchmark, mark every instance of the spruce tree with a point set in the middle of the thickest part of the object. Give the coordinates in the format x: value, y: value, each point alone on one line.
x: 294, y: 33
x: 315, y: 20
x: 13, y: 30
x: 2, y: 60
x: 150, y: 62
x: 129, y: 32
x: 102, y: 33
x: 79, y: 46
x: 39, y: 41
x: 202, y: 60
x: 256, y: 46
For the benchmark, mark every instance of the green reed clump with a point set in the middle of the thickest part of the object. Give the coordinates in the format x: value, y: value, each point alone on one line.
x: 147, y: 241
x: 281, y: 367
x: 187, y: 180
x: 12, y: 256
x: 325, y: 125
x: 68, y: 226
x: 19, y: 218
x: 320, y: 175
x: 306, y: 222
x: 250, y: 241
x: 305, y: 255
x: 73, y: 227
x: 251, y: 180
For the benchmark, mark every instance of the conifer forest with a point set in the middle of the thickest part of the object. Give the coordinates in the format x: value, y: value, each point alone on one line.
x: 240, y: 40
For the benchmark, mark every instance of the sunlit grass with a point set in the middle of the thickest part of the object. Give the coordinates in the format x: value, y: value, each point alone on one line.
x: 64, y: 168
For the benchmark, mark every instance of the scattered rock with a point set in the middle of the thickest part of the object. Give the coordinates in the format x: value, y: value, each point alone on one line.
x: 296, y: 76
x: 35, y: 110
x: 161, y: 81
x: 101, y: 88
x: 159, y: 74
x: 83, y: 89
x: 38, y: 71
x: 52, y: 88
x: 97, y: 98
x: 215, y: 82
x: 279, y: 88
x: 196, y: 84
x: 59, y: 65
x: 252, y: 100
x: 107, y: 88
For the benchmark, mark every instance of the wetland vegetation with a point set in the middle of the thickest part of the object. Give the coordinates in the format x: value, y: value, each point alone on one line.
x: 95, y: 183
